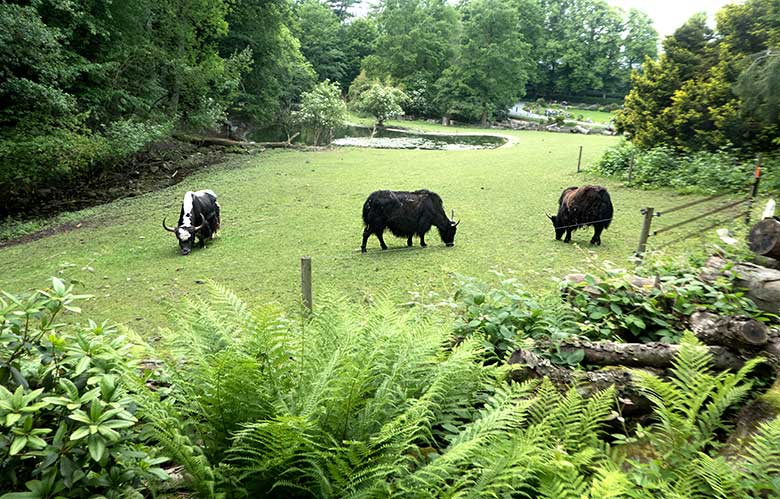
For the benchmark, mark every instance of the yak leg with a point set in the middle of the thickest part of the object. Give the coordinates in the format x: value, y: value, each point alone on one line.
x: 366, y: 232
x: 596, y: 239
x: 381, y: 239
x: 422, y: 241
x: 567, y: 239
x: 409, y: 241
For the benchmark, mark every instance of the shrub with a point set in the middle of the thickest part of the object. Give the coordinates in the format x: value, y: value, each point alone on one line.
x: 127, y: 137
x: 382, y: 102
x: 504, y: 315
x: 69, y: 427
x: 611, y: 306
x: 700, y: 172
x: 322, y: 110
x: 616, y: 160
x: 31, y: 161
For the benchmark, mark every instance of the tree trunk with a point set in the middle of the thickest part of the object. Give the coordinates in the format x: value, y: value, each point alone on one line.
x: 733, y: 332
x: 528, y: 365
x: 762, y: 284
x: 655, y: 355
x: 764, y: 238
x: 484, y: 119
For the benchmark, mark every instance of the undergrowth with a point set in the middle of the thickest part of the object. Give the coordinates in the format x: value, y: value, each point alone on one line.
x: 378, y: 401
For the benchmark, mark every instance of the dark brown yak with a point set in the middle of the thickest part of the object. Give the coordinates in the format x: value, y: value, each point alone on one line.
x: 582, y: 206
x: 406, y: 214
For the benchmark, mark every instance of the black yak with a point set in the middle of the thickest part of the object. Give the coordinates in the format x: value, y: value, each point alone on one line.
x: 406, y: 214
x: 582, y: 206
x: 197, y: 208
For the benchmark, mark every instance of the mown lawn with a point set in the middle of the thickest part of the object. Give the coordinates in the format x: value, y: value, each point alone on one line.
x: 596, y: 116
x: 281, y: 205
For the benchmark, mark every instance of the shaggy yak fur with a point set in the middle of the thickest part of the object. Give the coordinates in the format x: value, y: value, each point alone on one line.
x: 582, y: 206
x: 406, y: 214
x: 199, y: 217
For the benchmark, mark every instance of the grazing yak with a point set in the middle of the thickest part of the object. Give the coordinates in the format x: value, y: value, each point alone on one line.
x: 582, y: 206
x: 197, y: 208
x: 406, y: 214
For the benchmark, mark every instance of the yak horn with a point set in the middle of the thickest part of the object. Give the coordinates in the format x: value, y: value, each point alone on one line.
x: 548, y: 215
x: 201, y: 225
x: 452, y: 215
x: 166, y: 227
x: 457, y: 223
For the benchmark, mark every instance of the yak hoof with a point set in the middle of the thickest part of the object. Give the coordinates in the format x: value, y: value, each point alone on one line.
x: 362, y: 250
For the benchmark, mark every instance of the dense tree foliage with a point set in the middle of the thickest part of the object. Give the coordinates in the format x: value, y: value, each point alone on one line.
x: 279, y: 72
x: 84, y: 85
x: 491, y: 71
x: 711, y: 89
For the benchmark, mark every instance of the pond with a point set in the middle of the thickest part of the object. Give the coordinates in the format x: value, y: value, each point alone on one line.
x: 391, y: 138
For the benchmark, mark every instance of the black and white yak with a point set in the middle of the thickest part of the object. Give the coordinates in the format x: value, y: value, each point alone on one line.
x: 406, y: 214
x: 582, y: 206
x: 199, y: 208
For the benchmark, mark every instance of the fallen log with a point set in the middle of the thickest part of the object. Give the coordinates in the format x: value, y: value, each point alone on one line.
x: 222, y: 142
x: 764, y: 238
x: 654, y: 355
x: 733, y: 332
x: 762, y: 284
x: 528, y: 365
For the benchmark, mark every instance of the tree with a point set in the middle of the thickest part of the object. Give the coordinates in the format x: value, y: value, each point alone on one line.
x: 418, y: 40
x: 341, y: 8
x: 382, y: 102
x: 321, y: 38
x: 322, y: 110
x: 641, y: 39
x: 693, y: 98
x: 360, y: 37
x: 759, y: 88
x: 279, y: 72
x: 492, y: 69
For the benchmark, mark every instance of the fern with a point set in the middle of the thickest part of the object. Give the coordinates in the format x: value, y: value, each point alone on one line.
x: 689, y: 409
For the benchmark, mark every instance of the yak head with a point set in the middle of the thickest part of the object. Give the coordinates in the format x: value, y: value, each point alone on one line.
x: 185, y: 235
x: 558, y: 227
x: 447, y: 232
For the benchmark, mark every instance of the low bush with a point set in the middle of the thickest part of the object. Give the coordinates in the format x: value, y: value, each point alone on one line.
x: 505, y: 315
x: 610, y: 305
x: 701, y: 172
x: 358, y: 401
x: 69, y: 428
x: 33, y: 163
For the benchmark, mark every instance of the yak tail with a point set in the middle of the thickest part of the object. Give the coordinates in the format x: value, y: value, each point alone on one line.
x: 366, y: 210
x: 605, y: 208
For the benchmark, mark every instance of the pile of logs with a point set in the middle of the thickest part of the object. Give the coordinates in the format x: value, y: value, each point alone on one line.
x: 730, y: 340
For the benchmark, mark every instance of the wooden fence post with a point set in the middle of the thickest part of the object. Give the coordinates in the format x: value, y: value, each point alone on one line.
x: 306, y: 283
x: 579, y: 160
x: 631, y: 168
x: 754, y: 191
x: 648, y: 213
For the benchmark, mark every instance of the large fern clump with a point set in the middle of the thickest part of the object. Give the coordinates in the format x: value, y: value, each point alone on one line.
x: 363, y: 401
x: 375, y: 401
x: 681, y: 448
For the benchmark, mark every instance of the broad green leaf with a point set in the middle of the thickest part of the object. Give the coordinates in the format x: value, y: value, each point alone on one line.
x: 80, y: 433
x: 17, y: 445
x: 97, y: 447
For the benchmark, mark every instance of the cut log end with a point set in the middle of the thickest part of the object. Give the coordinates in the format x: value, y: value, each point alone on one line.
x: 764, y: 238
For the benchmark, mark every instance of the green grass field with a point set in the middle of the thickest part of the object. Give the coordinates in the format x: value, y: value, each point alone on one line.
x: 281, y: 205
x: 596, y: 116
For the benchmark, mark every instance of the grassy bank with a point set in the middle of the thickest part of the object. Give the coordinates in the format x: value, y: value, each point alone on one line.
x: 281, y: 205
